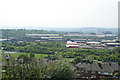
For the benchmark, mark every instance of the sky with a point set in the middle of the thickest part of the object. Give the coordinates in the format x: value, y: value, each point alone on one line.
x: 58, y: 13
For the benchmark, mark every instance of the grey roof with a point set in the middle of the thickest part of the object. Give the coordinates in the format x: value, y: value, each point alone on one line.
x: 105, y: 67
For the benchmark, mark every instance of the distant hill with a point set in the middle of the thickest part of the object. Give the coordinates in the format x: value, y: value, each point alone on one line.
x: 85, y: 29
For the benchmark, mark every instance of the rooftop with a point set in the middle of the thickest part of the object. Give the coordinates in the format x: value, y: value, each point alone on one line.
x: 105, y: 67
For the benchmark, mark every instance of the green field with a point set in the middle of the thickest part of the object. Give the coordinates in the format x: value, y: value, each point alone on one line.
x: 37, y: 56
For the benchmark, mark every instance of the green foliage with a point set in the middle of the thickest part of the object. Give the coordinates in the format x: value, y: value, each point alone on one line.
x: 77, y: 59
x: 63, y: 70
x: 32, y: 55
x: 117, y: 74
x: 23, y: 59
x: 36, y: 69
x: 93, y: 33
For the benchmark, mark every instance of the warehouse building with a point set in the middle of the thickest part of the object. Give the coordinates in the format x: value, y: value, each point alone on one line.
x: 42, y: 35
x: 113, y: 44
x: 71, y: 44
x: 79, y: 40
x: 52, y: 38
x: 93, y: 43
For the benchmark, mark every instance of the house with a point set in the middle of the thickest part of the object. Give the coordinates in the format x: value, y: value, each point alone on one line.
x: 96, y: 70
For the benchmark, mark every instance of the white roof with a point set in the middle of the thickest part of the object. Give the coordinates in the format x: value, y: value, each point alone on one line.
x: 2, y: 39
x: 93, y: 42
x: 113, y: 43
x: 71, y: 45
x: 70, y: 42
x: 85, y: 47
x: 42, y: 34
x: 108, y: 40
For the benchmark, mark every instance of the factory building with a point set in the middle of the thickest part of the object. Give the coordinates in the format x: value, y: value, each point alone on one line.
x: 113, y: 44
x: 42, y: 35
x: 108, y: 41
x: 52, y: 38
x: 71, y: 44
x: 79, y: 40
x: 93, y: 43
x: 4, y: 40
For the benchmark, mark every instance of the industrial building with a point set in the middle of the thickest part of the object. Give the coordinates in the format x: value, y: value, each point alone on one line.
x: 93, y: 43
x: 71, y: 44
x: 113, y: 44
x: 52, y: 38
x: 3, y: 40
x: 79, y: 40
x: 108, y: 41
x: 42, y: 35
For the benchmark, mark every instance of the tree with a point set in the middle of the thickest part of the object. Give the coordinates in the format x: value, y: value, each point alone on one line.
x: 117, y: 74
x: 77, y: 59
x: 23, y: 59
x: 93, y: 33
x: 63, y: 70
x: 49, y: 57
x: 32, y: 55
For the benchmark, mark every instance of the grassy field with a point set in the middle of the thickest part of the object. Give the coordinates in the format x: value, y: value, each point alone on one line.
x: 37, y: 56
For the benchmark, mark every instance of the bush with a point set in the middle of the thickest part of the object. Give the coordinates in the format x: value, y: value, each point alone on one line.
x: 77, y: 60
x: 63, y: 70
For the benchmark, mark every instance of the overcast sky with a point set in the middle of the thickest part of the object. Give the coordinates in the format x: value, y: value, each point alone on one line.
x: 58, y: 13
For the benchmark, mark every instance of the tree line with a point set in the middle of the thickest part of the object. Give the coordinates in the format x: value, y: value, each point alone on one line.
x: 58, y: 51
x: 21, y: 33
